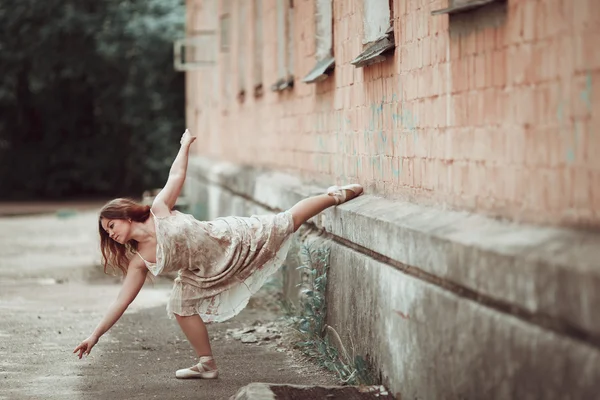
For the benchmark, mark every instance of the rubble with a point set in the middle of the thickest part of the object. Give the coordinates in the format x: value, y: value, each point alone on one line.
x: 256, y: 334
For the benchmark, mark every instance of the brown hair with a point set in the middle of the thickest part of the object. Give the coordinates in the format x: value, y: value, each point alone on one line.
x: 114, y: 254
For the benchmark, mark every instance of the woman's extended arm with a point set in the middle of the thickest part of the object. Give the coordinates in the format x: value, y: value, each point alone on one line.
x: 136, y: 275
x: 165, y: 200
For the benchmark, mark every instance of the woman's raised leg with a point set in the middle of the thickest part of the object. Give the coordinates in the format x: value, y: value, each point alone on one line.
x: 309, y: 207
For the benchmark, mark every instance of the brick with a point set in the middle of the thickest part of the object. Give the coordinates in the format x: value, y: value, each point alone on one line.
x: 585, y: 45
x: 418, y: 172
x: 456, y: 175
x: 580, y: 96
x: 468, y: 43
x: 387, y: 164
x: 530, y: 10
x: 581, y: 191
x: 409, y: 22
x: 594, y: 182
x: 480, y: 146
x: 563, y: 49
x: 586, y: 14
x: 499, y: 68
x: 480, y: 70
x: 426, y: 51
x: 514, y: 24
x: 362, y: 167
x: 442, y: 47
x: 592, y: 149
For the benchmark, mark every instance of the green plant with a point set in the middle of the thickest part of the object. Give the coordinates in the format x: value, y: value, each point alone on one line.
x: 310, y: 321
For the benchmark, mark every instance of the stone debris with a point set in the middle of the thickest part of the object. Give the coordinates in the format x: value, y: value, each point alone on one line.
x: 249, y: 338
x: 256, y: 333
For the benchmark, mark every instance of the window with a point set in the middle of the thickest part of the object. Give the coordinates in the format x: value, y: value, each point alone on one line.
x: 258, y: 48
x: 324, y: 42
x: 199, y: 48
x: 378, y: 32
x: 458, y: 6
x: 285, y: 45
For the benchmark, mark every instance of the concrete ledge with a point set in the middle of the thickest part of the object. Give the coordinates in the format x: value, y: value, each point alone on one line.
x: 548, y: 276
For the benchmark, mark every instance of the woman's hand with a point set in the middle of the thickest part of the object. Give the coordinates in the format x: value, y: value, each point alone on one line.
x: 86, y: 346
x: 187, y: 138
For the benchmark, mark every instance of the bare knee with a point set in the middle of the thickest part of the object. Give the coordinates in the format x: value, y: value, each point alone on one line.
x: 187, y: 319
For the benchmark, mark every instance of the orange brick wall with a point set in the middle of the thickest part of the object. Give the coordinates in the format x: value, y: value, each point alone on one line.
x: 494, y: 111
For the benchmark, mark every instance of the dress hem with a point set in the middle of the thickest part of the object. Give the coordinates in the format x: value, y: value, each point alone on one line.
x: 240, y: 293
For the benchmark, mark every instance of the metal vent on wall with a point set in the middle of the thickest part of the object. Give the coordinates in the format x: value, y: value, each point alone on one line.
x: 195, y: 52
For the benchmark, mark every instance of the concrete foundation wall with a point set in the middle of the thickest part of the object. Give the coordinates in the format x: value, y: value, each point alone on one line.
x: 444, y: 305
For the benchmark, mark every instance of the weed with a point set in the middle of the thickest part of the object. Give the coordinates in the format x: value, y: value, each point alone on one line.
x: 310, y: 321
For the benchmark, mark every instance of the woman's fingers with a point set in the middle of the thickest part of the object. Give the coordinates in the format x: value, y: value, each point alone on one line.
x: 81, y: 348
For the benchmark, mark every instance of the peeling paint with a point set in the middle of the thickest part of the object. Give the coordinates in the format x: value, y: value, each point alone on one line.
x: 375, y: 138
x: 574, y: 136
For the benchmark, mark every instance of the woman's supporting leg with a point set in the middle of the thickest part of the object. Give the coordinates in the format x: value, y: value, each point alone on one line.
x: 195, y: 330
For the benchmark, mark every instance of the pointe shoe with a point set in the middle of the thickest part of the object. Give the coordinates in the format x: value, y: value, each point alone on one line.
x: 340, y: 195
x: 202, y: 373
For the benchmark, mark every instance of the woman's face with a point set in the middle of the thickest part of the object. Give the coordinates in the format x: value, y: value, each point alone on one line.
x: 117, y: 229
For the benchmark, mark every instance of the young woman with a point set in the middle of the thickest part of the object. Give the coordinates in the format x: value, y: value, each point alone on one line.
x: 220, y: 263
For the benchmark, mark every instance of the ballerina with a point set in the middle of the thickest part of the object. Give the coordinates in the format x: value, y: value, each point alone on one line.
x: 220, y: 264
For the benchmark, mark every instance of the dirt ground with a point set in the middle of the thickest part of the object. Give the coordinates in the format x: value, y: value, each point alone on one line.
x: 52, y: 295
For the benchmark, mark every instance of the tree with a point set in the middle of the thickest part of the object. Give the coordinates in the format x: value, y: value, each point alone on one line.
x: 91, y: 104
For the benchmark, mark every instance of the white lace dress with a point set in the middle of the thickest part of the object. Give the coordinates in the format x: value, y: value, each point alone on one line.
x: 220, y: 263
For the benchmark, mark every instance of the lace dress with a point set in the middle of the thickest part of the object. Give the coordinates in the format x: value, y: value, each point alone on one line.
x: 220, y: 263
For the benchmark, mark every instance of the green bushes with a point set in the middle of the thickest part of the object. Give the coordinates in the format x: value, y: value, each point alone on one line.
x: 90, y: 103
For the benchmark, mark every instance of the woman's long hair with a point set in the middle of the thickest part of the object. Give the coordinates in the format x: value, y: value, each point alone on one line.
x: 114, y: 254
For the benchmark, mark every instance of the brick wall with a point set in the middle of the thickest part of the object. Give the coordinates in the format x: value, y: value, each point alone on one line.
x: 493, y: 111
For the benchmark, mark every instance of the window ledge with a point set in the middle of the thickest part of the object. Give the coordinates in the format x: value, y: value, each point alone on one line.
x: 258, y: 90
x: 319, y: 72
x: 374, y: 53
x: 282, y: 84
x: 463, y: 7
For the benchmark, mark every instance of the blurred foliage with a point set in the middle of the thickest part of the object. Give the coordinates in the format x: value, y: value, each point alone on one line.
x: 91, y: 105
